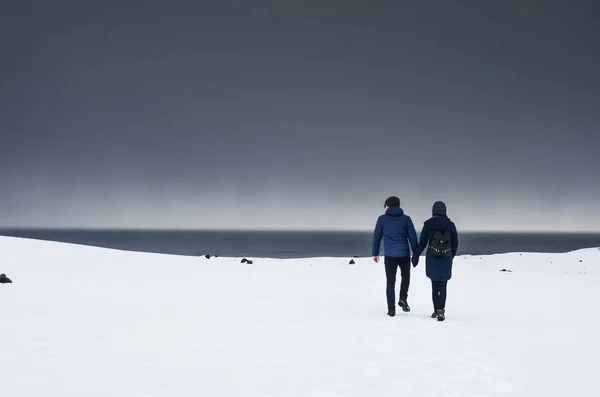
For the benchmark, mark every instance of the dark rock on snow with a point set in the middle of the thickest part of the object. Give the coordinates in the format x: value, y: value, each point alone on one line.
x: 505, y: 270
x: 207, y: 256
x: 4, y: 279
x: 352, y: 261
x: 244, y: 260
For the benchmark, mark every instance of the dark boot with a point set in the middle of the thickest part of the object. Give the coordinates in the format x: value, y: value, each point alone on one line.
x: 441, y: 314
x: 434, y: 314
x: 404, y: 305
x: 391, y: 312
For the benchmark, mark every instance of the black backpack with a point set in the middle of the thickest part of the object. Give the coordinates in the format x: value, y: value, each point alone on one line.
x: 440, y: 244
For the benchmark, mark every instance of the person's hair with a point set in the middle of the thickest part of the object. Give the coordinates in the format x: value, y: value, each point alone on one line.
x: 392, y: 201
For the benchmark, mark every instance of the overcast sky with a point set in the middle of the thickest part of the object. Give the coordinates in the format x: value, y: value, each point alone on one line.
x: 299, y: 114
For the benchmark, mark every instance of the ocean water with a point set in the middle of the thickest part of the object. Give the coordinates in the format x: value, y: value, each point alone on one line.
x: 293, y: 244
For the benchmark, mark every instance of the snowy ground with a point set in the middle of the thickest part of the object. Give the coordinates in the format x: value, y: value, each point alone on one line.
x: 82, y: 321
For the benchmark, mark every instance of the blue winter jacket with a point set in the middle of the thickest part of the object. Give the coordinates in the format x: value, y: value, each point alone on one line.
x: 397, y: 230
x: 438, y: 268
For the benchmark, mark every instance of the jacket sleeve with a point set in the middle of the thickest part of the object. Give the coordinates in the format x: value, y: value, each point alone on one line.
x: 454, y: 236
x: 377, y: 236
x: 424, y: 239
x: 412, y: 236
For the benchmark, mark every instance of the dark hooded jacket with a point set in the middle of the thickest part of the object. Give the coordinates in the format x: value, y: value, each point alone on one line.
x: 436, y: 268
x: 398, y: 234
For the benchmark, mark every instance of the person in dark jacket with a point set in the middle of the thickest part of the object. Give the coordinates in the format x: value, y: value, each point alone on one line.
x: 399, y: 237
x: 439, y: 256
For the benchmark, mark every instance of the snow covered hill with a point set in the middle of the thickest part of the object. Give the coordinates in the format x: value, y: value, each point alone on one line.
x: 83, y: 321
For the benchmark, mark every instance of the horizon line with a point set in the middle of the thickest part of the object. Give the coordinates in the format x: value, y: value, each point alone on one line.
x: 307, y: 230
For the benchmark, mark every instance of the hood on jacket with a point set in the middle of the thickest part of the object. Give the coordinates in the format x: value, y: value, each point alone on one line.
x: 394, y: 211
x: 439, y: 208
x: 438, y: 222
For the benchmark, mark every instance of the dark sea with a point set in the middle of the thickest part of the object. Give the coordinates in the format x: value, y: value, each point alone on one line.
x: 293, y: 244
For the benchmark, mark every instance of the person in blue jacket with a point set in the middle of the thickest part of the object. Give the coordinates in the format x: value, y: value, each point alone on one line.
x: 399, y: 237
x: 440, y: 237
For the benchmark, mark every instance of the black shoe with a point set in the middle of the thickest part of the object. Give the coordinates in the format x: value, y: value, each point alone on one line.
x: 434, y: 314
x: 404, y: 306
x: 391, y: 312
x: 441, y: 314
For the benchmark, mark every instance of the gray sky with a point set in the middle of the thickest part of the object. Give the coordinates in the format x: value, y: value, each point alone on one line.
x: 281, y: 114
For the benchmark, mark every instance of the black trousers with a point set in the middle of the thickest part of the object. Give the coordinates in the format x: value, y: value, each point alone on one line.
x: 438, y: 294
x: 392, y: 263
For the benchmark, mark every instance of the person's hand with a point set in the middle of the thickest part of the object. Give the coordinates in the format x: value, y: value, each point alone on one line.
x: 415, y: 260
x: 376, y: 259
